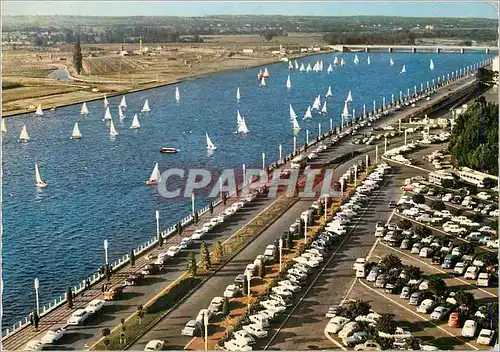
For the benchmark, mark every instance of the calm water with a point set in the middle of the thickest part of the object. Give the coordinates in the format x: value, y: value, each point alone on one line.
x: 96, y: 185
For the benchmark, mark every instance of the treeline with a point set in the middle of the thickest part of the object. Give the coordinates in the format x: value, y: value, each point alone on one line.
x: 474, y: 139
x: 353, y: 38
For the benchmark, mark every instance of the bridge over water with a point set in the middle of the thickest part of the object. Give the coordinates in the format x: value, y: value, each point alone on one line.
x: 413, y: 48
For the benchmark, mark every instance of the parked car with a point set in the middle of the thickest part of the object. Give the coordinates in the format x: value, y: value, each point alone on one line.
x: 369, y: 345
x: 485, y: 337
x: 414, y: 298
x: 78, y: 317
x: 469, y: 328
x: 483, y: 280
x: 94, y: 306
x: 440, y: 313
x: 336, y: 324
x: 192, y: 328
x: 53, y: 335
x: 216, y: 304
x: 232, y: 291
x: 255, y: 330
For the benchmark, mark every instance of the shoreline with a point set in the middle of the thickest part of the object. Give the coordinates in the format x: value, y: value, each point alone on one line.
x: 149, y: 86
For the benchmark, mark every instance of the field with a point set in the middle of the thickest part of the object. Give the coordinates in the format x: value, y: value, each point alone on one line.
x: 25, y: 71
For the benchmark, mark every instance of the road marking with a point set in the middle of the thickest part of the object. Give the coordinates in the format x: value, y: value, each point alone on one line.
x: 348, y: 292
x: 418, y: 315
x: 440, y: 270
x: 443, y: 232
x: 327, y: 335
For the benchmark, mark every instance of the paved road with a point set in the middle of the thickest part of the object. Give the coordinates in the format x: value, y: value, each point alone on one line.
x: 113, y: 312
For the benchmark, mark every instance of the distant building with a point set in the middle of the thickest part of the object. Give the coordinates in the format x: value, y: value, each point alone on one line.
x: 247, y: 51
x: 429, y: 26
x: 303, y: 50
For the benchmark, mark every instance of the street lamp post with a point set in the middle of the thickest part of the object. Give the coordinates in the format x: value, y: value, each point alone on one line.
x: 106, y: 251
x: 192, y: 203
x: 399, y: 128
x: 319, y: 129
x: 326, y: 206
x: 400, y: 95
x: 392, y: 98
x: 406, y: 134
x: 281, y: 250
x: 355, y: 175
x: 264, y: 161
x: 376, y: 154
x: 331, y: 124
x: 244, y: 176
x: 305, y: 231
x: 205, y: 321
x: 364, y: 111
x: 249, y: 280
x: 341, y: 188
x: 307, y: 137
x: 279, y: 152
x: 294, y: 144
x: 385, y: 145
x: 158, y: 225
x: 374, y: 107
x: 383, y: 103
x: 407, y: 93
x: 37, y: 286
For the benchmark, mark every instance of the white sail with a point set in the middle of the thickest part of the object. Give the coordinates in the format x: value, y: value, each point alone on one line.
x: 288, y: 82
x: 321, y: 65
x: 431, y: 66
x: 107, y: 114
x: 112, y: 130
x: 38, y: 178
x: 316, y: 67
x: 123, y: 103
x: 135, y: 123
x: 84, y: 110
x: 368, y: 60
x: 295, y: 124
x: 293, y: 115
x: 356, y: 60
x: 23, y: 137
x: 266, y: 73
x: 263, y: 82
x: 302, y: 68
x: 210, y: 145
x: 146, y: 108
x: 4, y: 127
x: 242, y: 125
x: 308, y: 114
x: 391, y: 62
x: 177, y: 94
x: 349, y: 97
x: 330, y: 69
x: 403, y: 70
x: 106, y: 102
x: 39, y: 111
x: 329, y: 93
x: 323, y: 109
x: 290, y: 65
x: 317, y: 103
x: 155, y: 175
x: 238, y: 94
x: 335, y: 61
x: 308, y: 68
x: 76, y: 132
x: 345, y: 113
x: 342, y: 62
x: 120, y: 113
x: 296, y: 65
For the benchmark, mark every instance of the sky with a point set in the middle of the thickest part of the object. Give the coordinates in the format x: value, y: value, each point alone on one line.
x: 420, y: 8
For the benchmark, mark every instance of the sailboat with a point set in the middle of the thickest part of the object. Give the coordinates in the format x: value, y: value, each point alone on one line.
x: 263, y: 82
x: 342, y: 62
x: 295, y: 124
x: 296, y: 65
x: 84, y: 110
x: 335, y: 61
x: 210, y: 145
x: 349, y: 97
x: 4, y: 127
x: 106, y: 102
x: 308, y: 68
x: 316, y: 67
x: 323, y: 109
x: 146, y: 108
x: 23, y: 137
x: 260, y: 75
x: 317, y: 103
x: 112, y: 130
x: 391, y: 62
x: 266, y: 73
x: 330, y: 69
x: 368, y: 60
x: 135, y: 123
x: 329, y: 93
x: 321, y: 65
x: 288, y: 82
x: 39, y: 111
x: 238, y: 95
x: 345, y: 113
x: 242, y: 126
x: 403, y: 70
x: 431, y: 66
x: 38, y: 178
x: 290, y: 65
x: 356, y: 60
x: 293, y: 115
x: 155, y: 176
x: 308, y: 114
x: 177, y: 94
x: 302, y: 68
x: 120, y: 113
x: 107, y: 114
x: 76, y: 132
x: 123, y: 103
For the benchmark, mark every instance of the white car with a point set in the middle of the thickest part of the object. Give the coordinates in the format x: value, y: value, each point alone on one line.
x: 425, y: 306
x: 483, y: 280
x: 492, y: 244
x: 34, y: 345
x: 255, y: 330
x: 52, y: 335
x: 201, y: 315
x: 348, y: 329
x: 440, y: 313
x: 231, y: 291
x: 273, y: 305
x: 469, y: 328
x: 94, y: 306
x: 471, y: 273
x: 78, y: 317
x: 173, y: 251
x: 483, y: 196
x: 459, y: 268
x: 359, y: 264
x: 155, y: 345
x: 261, y: 319
x: 289, y: 286
x: 282, y: 291
x: 216, y: 304
x: 336, y: 324
x: 243, y: 336
x: 198, y: 234
x: 485, y: 337
x: 236, y: 345
x: 306, y: 261
x: 312, y: 256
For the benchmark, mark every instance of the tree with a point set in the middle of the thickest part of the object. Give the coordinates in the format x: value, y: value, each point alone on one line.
x: 390, y: 261
x: 77, y: 56
x: 412, y: 343
x: 140, y: 313
x: 418, y: 198
x: 269, y: 36
x: 262, y: 270
x: 205, y: 256
x: 446, y: 183
x: 413, y: 272
x: 225, y: 307
x: 405, y: 224
x: 387, y: 324
x: 69, y: 298
x: 422, y: 231
x: 386, y: 343
x: 466, y: 300
x: 438, y: 205
x: 105, y: 333
x: 360, y: 308
x: 437, y: 286
x: 192, y: 267
x: 489, y: 183
x: 132, y: 258
x: 218, y: 252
